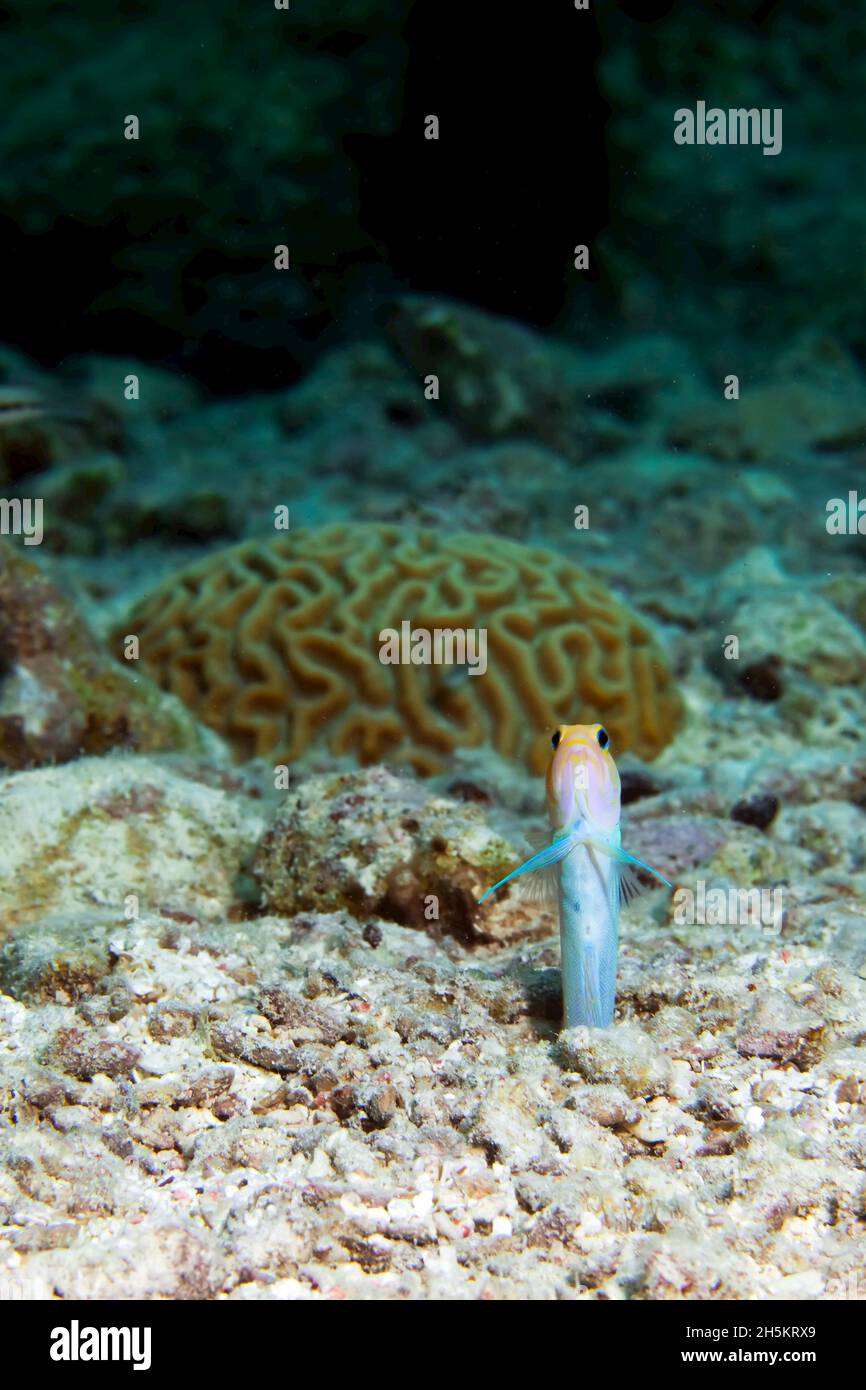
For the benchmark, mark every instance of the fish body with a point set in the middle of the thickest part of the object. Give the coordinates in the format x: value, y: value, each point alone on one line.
x: 588, y: 896
x: 587, y: 865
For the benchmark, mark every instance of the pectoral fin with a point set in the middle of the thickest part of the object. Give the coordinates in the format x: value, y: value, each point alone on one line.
x: 629, y: 886
x: 540, y: 889
x: 551, y: 854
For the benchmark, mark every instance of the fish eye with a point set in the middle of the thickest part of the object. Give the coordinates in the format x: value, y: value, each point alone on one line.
x: 603, y: 738
x: 554, y: 742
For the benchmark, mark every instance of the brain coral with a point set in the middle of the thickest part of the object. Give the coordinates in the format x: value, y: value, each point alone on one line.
x: 276, y: 645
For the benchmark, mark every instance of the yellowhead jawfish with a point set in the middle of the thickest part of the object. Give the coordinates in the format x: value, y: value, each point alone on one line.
x: 591, y: 870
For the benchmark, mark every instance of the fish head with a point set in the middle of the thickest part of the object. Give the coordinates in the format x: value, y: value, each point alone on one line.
x: 582, y: 780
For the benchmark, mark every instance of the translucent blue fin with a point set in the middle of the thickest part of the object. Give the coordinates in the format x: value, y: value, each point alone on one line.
x: 628, y: 883
x: 552, y: 854
x: 540, y: 889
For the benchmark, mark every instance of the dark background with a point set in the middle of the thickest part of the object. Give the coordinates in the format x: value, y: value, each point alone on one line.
x: 260, y: 127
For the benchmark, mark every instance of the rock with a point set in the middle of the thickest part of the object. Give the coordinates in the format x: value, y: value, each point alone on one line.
x: 636, y: 785
x: 657, y: 1122
x: 607, y: 1105
x: 675, y: 844
x: 102, y: 841
x: 60, y: 696
x: 378, y: 844
x: 498, y: 378
x: 299, y: 1019
x: 379, y: 1101
x: 624, y: 1056
x: 170, y: 1020
x: 83, y: 1054
x: 64, y: 958
x: 207, y: 1087
x: 772, y: 421
x: 759, y: 810
x: 809, y: 635
x: 233, y: 1040
x: 778, y: 1028
x: 762, y: 679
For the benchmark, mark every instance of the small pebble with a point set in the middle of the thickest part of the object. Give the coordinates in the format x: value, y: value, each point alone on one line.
x: 635, y: 785
x: 759, y: 810
x: 762, y: 680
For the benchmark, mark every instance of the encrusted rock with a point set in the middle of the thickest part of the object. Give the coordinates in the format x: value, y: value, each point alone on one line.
x: 60, y: 695
x: 378, y: 844
x: 83, y: 1054
x: 624, y: 1056
x: 781, y: 1029
x: 105, y: 840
